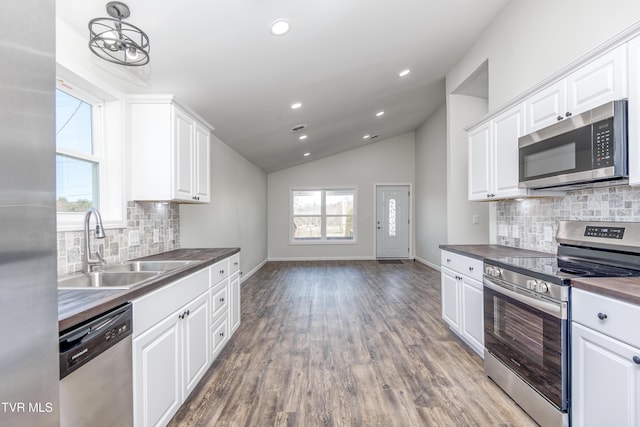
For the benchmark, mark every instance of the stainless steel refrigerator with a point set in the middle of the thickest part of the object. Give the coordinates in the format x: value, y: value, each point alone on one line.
x: 28, y: 290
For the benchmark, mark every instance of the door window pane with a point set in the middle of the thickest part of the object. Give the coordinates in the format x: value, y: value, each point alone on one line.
x: 76, y: 184
x: 392, y: 217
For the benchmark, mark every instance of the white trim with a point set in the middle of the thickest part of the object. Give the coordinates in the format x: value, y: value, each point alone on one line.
x: 244, y: 277
x: 427, y: 263
x: 348, y: 258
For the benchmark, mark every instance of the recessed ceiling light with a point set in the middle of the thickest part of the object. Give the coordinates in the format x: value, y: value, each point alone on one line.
x: 366, y: 136
x: 379, y: 113
x: 307, y: 154
x: 280, y: 27
x: 296, y: 105
x: 302, y: 137
x: 404, y: 72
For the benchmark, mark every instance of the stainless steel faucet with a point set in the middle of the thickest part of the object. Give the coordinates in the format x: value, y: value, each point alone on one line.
x: 89, y: 261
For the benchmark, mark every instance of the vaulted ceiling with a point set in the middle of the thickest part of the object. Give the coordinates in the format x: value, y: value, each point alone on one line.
x: 340, y: 60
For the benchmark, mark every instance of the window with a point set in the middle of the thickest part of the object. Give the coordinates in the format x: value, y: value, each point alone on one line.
x: 323, y: 215
x: 77, y: 152
x: 90, y: 162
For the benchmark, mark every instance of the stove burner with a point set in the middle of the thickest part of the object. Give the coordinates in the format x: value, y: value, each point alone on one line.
x: 592, y: 269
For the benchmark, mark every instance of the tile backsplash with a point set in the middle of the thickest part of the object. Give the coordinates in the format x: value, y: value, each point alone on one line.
x: 158, y: 227
x: 532, y: 223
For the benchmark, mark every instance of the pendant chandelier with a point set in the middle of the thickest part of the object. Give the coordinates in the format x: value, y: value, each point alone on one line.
x: 117, y: 41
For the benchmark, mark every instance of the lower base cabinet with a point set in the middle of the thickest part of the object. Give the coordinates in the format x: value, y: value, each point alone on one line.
x: 462, y: 298
x: 605, y: 361
x: 169, y: 360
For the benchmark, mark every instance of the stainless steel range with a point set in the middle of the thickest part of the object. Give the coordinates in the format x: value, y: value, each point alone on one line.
x: 527, y: 309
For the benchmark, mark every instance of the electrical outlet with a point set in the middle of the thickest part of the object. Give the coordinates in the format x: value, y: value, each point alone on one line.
x: 156, y: 235
x: 134, y: 238
x: 514, y: 231
x: 502, y: 230
x: 475, y: 219
x: 548, y: 234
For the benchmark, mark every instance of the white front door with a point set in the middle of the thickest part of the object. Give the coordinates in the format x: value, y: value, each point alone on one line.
x: 392, y: 221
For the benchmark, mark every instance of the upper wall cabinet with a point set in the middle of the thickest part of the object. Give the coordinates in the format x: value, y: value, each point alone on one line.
x: 601, y: 80
x: 493, y: 157
x: 170, y: 152
x: 634, y: 111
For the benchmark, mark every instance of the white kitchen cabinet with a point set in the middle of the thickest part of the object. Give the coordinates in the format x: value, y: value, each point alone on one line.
x: 633, y: 52
x: 462, y: 298
x: 170, y: 347
x: 602, y: 80
x: 234, y: 293
x: 493, y: 157
x: 605, y: 361
x: 225, y: 300
x: 170, y: 150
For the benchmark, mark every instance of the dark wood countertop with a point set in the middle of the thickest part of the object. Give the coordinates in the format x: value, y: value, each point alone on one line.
x: 77, y: 305
x: 626, y: 289
x: 493, y: 251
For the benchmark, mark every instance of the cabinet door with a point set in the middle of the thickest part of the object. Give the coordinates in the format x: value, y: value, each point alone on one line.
x: 472, y: 323
x: 450, y: 298
x: 601, y: 80
x: 507, y: 128
x: 634, y: 111
x: 195, y: 340
x: 480, y: 185
x: 546, y: 107
x: 184, y: 154
x: 234, y: 308
x: 202, y: 169
x: 157, y: 368
x: 605, y: 380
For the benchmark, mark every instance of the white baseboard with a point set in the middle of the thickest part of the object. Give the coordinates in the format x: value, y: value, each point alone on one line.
x: 427, y: 263
x: 356, y: 258
x: 252, y: 272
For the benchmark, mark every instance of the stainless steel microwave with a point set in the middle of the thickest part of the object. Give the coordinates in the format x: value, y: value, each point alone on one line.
x: 584, y: 148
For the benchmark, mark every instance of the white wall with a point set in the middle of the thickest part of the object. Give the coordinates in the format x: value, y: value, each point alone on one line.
x: 386, y: 162
x: 237, y: 214
x: 462, y: 110
x: 431, y: 190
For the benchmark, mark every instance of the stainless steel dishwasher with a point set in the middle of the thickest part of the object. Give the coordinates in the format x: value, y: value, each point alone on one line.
x: 96, y: 371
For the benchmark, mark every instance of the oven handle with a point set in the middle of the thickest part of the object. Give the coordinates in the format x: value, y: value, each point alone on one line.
x: 558, y: 310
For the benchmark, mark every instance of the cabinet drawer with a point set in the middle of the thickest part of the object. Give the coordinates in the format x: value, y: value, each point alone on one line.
x: 219, y: 336
x: 219, y: 300
x: 150, y: 309
x: 621, y: 317
x: 219, y: 271
x: 461, y: 264
x: 234, y: 263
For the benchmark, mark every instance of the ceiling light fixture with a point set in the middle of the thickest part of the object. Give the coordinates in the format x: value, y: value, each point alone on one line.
x: 280, y: 27
x: 404, y: 73
x: 302, y: 137
x: 117, y: 41
x: 296, y: 105
x: 307, y: 154
x: 366, y: 136
x: 379, y: 113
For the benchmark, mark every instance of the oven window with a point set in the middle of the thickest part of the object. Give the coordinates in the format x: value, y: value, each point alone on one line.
x: 522, y: 328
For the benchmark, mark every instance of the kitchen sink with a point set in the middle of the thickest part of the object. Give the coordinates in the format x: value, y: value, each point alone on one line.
x: 106, y: 280
x: 141, y: 266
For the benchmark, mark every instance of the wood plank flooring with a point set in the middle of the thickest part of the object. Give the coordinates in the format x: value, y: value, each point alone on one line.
x: 348, y: 343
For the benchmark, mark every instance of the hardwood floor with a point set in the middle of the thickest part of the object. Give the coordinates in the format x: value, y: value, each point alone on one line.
x: 353, y: 343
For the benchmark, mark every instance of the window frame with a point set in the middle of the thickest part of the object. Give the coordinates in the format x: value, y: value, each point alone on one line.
x: 323, y: 240
x: 108, y: 108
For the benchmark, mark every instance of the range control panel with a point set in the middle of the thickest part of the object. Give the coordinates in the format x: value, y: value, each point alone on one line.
x: 604, y: 232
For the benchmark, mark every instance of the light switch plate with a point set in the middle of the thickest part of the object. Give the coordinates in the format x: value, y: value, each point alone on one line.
x: 514, y: 231
x: 156, y: 235
x: 475, y: 219
x: 134, y: 238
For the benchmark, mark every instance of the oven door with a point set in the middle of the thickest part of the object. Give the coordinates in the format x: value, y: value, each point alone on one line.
x: 557, y: 160
x: 528, y: 334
